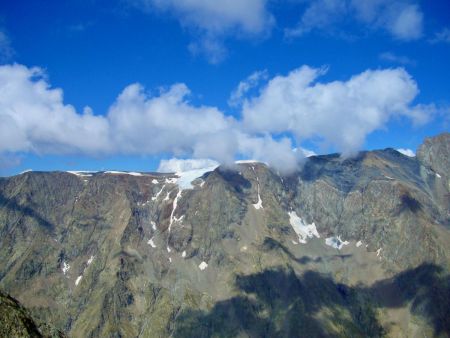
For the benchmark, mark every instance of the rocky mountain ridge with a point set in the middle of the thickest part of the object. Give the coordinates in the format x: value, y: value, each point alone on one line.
x: 343, y: 247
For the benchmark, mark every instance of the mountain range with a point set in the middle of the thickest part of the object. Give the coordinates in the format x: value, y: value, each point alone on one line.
x: 343, y: 247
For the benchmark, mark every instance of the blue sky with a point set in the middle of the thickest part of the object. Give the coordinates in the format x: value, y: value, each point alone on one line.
x: 92, y: 50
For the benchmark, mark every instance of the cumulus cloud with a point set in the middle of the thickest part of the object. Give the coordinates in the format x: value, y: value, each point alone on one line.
x: 166, y: 123
x: 285, y: 111
x: 213, y: 21
x: 34, y: 118
x: 403, y: 19
x: 342, y: 113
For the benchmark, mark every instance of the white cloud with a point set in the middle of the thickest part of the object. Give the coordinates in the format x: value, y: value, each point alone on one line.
x: 320, y: 14
x: 165, y: 123
x: 278, y: 154
x: 407, y: 152
x: 405, y: 23
x: 342, y: 113
x: 34, y: 118
x: 391, y: 57
x: 305, y: 152
x: 220, y: 16
x: 245, y: 86
x: 286, y: 111
x: 403, y: 19
x: 215, y: 20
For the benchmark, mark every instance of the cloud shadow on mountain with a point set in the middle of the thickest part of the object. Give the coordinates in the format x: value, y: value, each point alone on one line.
x: 12, y: 205
x: 279, y: 303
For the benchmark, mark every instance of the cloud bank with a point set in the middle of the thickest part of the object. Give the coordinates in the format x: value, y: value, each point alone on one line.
x: 276, y: 119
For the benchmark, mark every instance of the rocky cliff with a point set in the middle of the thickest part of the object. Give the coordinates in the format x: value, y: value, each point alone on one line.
x: 344, y: 247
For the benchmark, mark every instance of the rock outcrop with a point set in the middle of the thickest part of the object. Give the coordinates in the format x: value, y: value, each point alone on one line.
x: 16, y: 321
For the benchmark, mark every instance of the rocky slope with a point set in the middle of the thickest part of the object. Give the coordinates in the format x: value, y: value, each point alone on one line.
x: 16, y: 321
x: 357, y: 247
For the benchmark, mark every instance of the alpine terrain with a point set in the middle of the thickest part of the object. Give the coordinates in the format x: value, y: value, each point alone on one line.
x: 356, y: 247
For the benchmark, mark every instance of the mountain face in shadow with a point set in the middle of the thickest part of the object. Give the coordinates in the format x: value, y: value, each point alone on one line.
x: 353, y: 247
x: 277, y: 303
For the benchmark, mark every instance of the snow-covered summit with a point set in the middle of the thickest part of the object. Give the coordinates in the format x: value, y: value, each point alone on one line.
x: 187, y: 170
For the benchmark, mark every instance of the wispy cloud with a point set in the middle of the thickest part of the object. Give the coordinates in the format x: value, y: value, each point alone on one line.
x: 79, y: 27
x: 441, y: 36
x: 394, y: 58
x: 6, y: 49
x: 212, y: 22
x: 252, y: 81
x: 402, y: 19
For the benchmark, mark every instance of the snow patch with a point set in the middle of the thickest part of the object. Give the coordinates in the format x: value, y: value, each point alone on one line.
x: 167, y: 196
x: 406, y: 152
x: 174, y: 207
x: 358, y: 244
x: 259, y: 204
x: 187, y: 170
x: 153, y: 225
x: 65, y: 268
x: 379, y: 252
x: 82, y: 173
x: 438, y: 176
x: 171, y: 180
x: 154, y: 198
x: 246, y: 161
x: 168, y: 250
x: 132, y: 173
x: 154, y: 181
x: 78, y: 280
x: 183, y: 254
x: 90, y: 260
x: 203, y: 266
x: 303, y: 230
x: 152, y: 244
x: 304, y: 152
x: 336, y: 242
